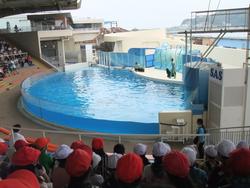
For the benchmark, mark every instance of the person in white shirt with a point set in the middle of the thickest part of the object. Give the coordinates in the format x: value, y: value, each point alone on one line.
x: 16, y: 136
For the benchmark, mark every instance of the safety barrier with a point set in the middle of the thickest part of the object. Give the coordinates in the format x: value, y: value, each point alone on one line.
x: 214, y: 136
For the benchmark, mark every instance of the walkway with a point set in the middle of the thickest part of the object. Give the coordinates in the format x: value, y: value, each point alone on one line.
x: 160, y: 75
x: 13, y: 81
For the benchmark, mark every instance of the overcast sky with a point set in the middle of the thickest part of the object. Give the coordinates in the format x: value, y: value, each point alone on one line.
x: 143, y: 14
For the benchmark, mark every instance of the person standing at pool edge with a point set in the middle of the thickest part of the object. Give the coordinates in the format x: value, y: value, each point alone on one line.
x: 201, y: 139
x: 173, y: 70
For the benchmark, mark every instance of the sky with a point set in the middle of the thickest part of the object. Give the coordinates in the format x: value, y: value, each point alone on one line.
x: 146, y: 14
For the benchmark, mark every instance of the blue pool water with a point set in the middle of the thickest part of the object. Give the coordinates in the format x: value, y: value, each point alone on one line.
x: 103, y: 100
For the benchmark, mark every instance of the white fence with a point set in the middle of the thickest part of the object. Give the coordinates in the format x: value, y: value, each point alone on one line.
x: 213, y: 136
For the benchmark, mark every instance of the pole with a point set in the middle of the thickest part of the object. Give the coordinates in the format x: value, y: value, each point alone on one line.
x: 246, y: 71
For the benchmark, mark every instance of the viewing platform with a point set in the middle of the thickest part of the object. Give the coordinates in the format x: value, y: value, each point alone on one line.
x: 160, y: 75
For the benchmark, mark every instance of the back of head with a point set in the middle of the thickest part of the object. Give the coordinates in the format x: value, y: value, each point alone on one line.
x: 62, y: 152
x: 129, y: 168
x: 20, y: 179
x: 176, y: 164
x: 16, y: 126
x: 78, y: 163
x: 242, y: 144
x: 119, y: 148
x: 160, y: 149
x: 191, y: 155
x: 25, y: 156
x: 140, y: 149
x: 3, y: 148
x: 211, y: 151
x: 224, y: 148
x: 240, y: 162
x: 41, y: 143
x: 200, y: 121
x: 97, y: 145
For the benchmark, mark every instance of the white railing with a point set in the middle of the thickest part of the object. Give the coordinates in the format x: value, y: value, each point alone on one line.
x: 235, y: 134
x: 120, y: 138
x: 214, y: 136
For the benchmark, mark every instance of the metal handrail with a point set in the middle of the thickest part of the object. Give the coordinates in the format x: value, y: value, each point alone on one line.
x: 227, y: 128
x: 102, y: 134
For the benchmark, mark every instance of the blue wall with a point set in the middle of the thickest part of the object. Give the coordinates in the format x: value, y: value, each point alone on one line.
x: 88, y: 124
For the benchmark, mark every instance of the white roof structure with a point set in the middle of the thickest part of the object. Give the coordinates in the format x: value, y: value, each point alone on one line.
x: 29, y: 6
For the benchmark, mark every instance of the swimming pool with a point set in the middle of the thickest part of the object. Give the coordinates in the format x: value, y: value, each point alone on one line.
x: 102, y: 100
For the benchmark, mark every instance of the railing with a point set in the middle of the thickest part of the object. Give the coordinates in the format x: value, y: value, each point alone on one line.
x: 225, y: 19
x: 14, y: 55
x: 213, y: 137
x: 54, y: 61
x: 36, y: 28
x: 120, y: 138
x: 235, y: 134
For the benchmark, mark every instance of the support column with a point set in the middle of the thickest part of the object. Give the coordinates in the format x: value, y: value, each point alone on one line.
x: 61, y: 54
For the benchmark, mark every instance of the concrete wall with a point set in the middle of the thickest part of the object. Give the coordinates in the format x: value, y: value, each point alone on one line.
x: 137, y: 39
x: 72, y: 50
x: 27, y: 41
x: 226, y: 98
x: 84, y: 37
x: 54, y: 34
x: 169, y: 117
x: 229, y: 56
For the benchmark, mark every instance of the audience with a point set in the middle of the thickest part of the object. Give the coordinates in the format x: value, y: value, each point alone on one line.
x: 11, y: 59
x: 98, y: 148
x: 59, y: 176
x: 20, y: 179
x: 222, y: 174
x: 240, y: 164
x: 154, y: 174
x: 16, y: 135
x: 197, y: 175
x: 177, y: 167
x: 211, y: 161
x: 44, y: 159
x: 79, y: 166
x: 141, y: 150
x: 129, y: 171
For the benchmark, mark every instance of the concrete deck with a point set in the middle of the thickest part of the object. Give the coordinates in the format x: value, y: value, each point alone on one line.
x: 160, y: 75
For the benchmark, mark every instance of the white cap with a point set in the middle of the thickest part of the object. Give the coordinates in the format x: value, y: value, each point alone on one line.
x: 113, y: 159
x: 2, y: 140
x: 62, y: 152
x: 211, y: 151
x: 96, y: 159
x: 140, y: 149
x: 191, y: 155
x: 160, y: 149
x: 225, y: 147
x: 242, y: 144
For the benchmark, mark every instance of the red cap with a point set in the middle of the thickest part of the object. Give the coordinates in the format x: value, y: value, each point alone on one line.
x: 176, y: 163
x: 78, y: 163
x: 129, y: 168
x: 80, y: 145
x: 240, y: 162
x: 3, y: 148
x: 19, y: 144
x: 25, y: 156
x: 20, y: 179
x: 97, y: 143
x: 87, y: 149
x: 41, y: 142
x: 77, y: 144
